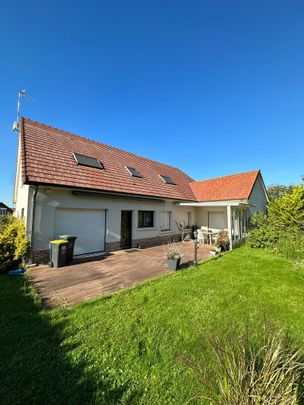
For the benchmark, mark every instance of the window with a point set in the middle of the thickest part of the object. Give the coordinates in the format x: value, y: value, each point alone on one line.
x: 2, y: 211
x: 166, y: 221
x: 145, y: 219
x: 189, y: 217
x: 22, y: 212
x: 87, y: 161
x: 166, y: 179
x: 133, y: 172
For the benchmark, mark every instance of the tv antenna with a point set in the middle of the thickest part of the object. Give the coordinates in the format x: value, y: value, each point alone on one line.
x: 21, y: 93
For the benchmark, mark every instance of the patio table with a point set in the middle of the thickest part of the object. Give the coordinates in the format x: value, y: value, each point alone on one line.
x: 209, y: 235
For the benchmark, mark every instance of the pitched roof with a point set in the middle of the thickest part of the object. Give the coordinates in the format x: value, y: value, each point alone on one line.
x: 2, y: 205
x: 233, y: 187
x: 47, y: 158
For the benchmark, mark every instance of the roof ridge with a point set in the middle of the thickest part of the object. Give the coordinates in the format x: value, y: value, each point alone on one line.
x: 257, y: 171
x: 64, y: 132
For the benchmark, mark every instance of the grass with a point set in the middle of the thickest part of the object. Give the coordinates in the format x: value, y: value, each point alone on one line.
x: 248, y: 369
x: 129, y: 347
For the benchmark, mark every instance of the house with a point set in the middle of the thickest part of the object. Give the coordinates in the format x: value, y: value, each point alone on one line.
x: 5, y: 210
x: 112, y: 199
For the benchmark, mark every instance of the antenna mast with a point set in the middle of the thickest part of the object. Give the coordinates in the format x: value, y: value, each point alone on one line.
x: 20, y: 94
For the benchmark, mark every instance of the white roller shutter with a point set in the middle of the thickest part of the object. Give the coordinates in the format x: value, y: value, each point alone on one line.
x: 87, y: 225
x: 216, y: 220
x: 165, y: 216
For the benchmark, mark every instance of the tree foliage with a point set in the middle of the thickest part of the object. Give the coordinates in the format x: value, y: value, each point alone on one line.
x: 5, y: 220
x: 277, y: 190
x: 288, y: 210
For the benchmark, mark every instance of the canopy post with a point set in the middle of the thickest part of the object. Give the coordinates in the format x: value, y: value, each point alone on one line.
x: 229, y: 225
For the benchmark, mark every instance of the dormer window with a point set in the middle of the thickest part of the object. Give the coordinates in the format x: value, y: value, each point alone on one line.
x: 88, y: 161
x: 133, y: 171
x: 167, y: 179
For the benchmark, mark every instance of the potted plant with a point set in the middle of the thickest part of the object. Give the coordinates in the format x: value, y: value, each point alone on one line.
x: 174, y: 256
x: 214, y: 252
x: 222, y: 241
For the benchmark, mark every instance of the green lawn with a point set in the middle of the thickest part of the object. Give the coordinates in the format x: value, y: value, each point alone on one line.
x: 129, y: 347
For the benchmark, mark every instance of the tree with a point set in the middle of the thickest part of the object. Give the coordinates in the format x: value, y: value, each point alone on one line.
x: 288, y: 209
x: 277, y: 190
x: 181, y: 227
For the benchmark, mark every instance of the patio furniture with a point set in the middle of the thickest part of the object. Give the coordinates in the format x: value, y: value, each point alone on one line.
x: 214, y: 237
x: 200, y: 236
x: 205, y: 236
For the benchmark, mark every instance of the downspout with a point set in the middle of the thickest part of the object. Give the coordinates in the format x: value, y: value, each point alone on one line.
x: 33, y: 221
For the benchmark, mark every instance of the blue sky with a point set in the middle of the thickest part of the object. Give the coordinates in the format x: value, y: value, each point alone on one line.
x: 213, y: 87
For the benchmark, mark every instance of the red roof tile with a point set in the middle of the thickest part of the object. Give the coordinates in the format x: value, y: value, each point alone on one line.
x: 47, y: 158
x: 233, y: 187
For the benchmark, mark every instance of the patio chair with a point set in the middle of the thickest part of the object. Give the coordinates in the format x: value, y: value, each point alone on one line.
x: 214, y: 237
x: 200, y: 236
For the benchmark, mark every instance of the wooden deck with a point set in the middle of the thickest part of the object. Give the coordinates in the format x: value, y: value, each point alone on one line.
x: 83, y: 281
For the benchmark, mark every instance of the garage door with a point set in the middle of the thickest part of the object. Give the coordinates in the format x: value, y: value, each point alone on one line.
x: 87, y: 225
x: 216, y: 220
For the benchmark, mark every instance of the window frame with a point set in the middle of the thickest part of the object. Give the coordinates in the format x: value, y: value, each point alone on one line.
x: 141, y: 225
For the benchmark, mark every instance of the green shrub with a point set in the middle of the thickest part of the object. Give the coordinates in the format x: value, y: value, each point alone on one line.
x: 291, y: 244
x: 253, y: 370
x: 5, y: 220
x: 262, y: 232
x: 14, y: 244
x: 282, y: 228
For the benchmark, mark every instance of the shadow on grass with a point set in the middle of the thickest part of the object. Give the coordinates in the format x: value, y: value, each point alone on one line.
x: 35, y: 365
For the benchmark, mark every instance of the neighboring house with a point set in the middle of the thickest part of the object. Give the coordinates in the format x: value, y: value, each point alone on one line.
x: 111, y: 199
x: 5, y: 210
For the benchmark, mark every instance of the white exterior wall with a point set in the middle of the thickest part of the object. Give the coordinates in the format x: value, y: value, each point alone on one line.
x: 48, y: 199
x: 258, y: 199
x: 21, y: 192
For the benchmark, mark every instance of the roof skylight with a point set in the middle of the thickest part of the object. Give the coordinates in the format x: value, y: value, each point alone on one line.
x: 133, y: 171
x: 166, y: 179
x: 89, y: 161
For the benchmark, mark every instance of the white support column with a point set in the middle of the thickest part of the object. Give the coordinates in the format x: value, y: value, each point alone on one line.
x: 229, y: 225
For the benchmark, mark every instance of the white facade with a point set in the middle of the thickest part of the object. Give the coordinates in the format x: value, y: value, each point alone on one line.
x: 48, y: 200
